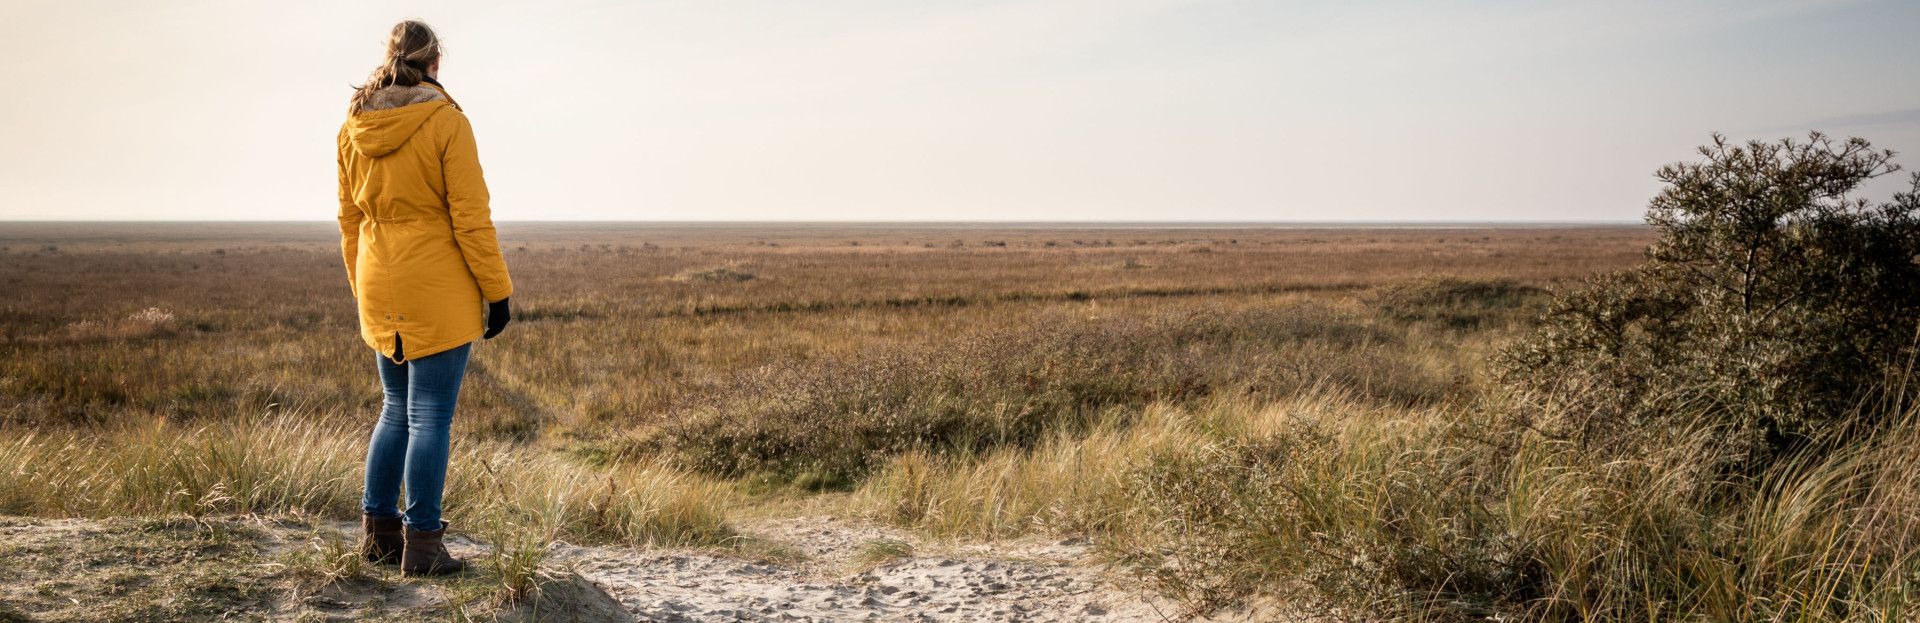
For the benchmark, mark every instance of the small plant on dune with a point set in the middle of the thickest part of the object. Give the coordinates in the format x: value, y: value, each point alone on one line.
x: 1774, y: 298
x: 325, y: 559
x: 518, y: 539
x: 881, y: 552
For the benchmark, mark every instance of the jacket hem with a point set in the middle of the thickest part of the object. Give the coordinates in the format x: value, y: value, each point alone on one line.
x: 432, y: 349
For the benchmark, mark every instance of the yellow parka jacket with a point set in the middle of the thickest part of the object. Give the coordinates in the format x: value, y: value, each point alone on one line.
x: 415, y: 228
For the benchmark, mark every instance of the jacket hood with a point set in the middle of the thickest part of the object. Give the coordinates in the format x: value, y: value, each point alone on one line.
x: 391, y: 116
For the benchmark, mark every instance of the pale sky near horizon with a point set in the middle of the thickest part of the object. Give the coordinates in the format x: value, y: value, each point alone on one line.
x: 991, y: 110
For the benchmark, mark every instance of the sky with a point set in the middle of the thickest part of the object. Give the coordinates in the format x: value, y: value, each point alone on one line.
x: 1098, y: 110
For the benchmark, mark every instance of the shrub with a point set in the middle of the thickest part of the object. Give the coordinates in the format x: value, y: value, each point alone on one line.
x: 1773, y: 299
x: 1457, y: 303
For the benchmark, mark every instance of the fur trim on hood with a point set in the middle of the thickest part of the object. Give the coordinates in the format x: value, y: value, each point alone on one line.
x: 395, y: 96
x: 391, y: 116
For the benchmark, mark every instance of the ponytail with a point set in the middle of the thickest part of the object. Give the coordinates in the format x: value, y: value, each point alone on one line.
x: 411, y: 49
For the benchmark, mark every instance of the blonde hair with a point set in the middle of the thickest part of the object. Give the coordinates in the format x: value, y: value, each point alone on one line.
x: 411, y: 49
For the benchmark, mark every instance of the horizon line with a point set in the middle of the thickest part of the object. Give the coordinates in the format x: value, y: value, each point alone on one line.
x: 4, y: 221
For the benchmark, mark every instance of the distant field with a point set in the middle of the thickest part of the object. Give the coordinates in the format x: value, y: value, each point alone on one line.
x: 617, y: 320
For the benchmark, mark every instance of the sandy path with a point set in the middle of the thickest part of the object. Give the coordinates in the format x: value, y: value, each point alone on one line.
x: 1013, y: 581
x: 77, y: 565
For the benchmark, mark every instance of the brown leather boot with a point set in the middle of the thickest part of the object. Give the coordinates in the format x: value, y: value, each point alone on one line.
x: 425, y: 554
x: 382, y: 539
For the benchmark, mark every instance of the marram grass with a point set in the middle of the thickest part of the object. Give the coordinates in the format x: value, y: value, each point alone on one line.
x: 1358, y: 512
x: 293, y: 463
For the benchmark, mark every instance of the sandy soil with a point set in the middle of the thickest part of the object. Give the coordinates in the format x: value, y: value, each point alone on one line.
x: 1013, y: 581
x: 811, y: 568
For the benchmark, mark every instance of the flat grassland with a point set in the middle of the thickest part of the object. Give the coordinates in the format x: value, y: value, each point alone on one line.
x: 615, y: 323
x: 663, y: 383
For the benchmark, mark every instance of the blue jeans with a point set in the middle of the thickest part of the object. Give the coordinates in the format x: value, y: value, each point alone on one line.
x: 410, y: 443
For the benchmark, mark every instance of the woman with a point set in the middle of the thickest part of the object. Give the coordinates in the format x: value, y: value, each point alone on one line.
x: 425, y: 266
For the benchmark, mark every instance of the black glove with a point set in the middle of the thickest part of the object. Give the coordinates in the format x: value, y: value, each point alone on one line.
x: 497, y: 318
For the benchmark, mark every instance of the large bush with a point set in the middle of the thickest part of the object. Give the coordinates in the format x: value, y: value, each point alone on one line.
x: 1775, y: 301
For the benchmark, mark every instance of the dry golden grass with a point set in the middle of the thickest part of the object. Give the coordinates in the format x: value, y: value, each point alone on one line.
x: 607, y: 337
x: 1233, y: 412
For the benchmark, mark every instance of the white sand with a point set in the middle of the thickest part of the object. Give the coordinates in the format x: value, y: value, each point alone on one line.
x: 1014, y: 581
x: 1018, y: 580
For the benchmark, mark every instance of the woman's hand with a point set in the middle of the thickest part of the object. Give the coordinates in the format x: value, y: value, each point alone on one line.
x: 497, y: 318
